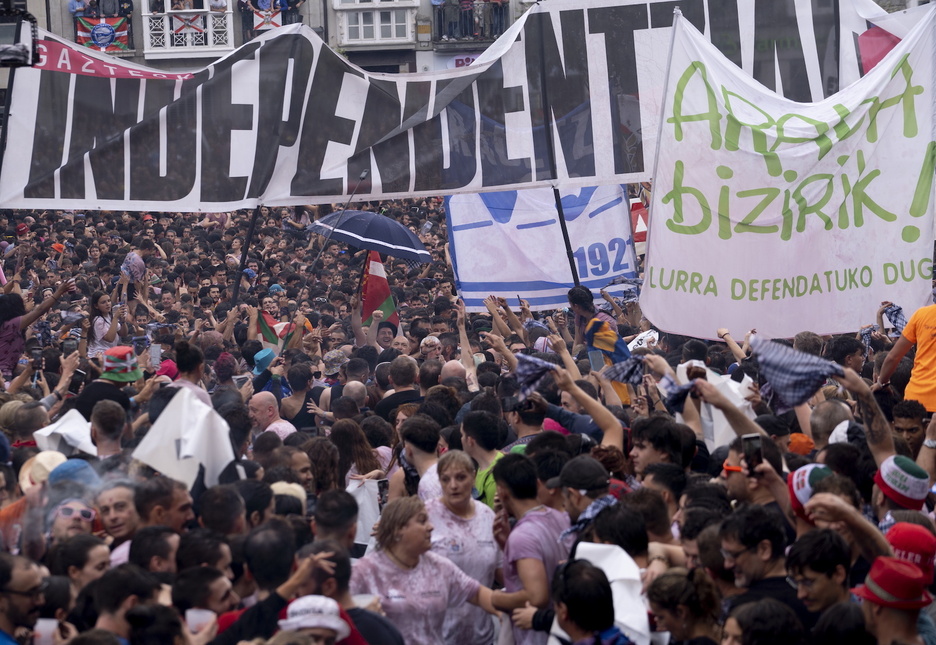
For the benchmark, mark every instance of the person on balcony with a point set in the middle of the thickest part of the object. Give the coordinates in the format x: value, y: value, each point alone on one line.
x: 450, y: 18
x: 77, y: 8
x: 466, y: 22
x: 246, y: 9
x: 293, y: 15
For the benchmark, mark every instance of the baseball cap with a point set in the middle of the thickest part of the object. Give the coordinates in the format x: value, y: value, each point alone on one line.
x: 168, y: 368
x: 903, y: 481
x: 914, y: 544
x: 773, y: 425
x: 581, y: 473
x: 22, y: 229
x: 894, y: 583
x: 310, y: 612
x: 800, y: 444
x: 276, y: 288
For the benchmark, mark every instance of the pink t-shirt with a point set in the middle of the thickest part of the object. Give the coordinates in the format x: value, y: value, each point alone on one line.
x: 282, y: 428
x: 414, y: 600
x: 197, y: 390
x: 469, y: 543
x: 535, y: 536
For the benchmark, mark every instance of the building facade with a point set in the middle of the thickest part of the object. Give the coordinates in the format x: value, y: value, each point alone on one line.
x: 394, y: 36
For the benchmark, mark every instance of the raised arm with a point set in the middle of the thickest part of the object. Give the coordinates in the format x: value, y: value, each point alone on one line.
x: 877, y: 429
x: 295, y: 338
x: 602, y: 416
x: 736, y: 350
x: 497, y: 325
x: 467, y: 359
x: 738, y: 421
x: 618, y: 312
x: 927, y: 457
x: 562, y: 326
x: 357, y: 325
x: 497, y: 343
x: 514, y: 322
x: 893, y: 358
x: 831, y: 508
x: 36, y: 312
x: 559, y: 346
x: 252, y: 315
x: 879, y: 317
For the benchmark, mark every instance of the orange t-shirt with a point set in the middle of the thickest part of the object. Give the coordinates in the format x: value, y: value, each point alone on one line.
x: 11, y: 523
x: 921, y: 329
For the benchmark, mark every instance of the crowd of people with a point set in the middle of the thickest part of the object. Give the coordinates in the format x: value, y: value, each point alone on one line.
x: 530, y: 490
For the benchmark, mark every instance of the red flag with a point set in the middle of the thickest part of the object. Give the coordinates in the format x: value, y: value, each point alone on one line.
x: 375, y: 292
x: 103, y: 34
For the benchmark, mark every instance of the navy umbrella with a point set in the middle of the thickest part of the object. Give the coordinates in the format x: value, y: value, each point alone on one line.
x: 374, y: 232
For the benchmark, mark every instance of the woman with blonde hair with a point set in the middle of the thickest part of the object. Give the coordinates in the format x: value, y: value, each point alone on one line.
x: 687, y: 605
x: 416, y: 587
x: 463, y: 533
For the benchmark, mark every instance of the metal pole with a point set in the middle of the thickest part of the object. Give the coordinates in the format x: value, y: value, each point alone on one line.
x: 244, y: 252
x: 551, y: 152
x: 344, y: 208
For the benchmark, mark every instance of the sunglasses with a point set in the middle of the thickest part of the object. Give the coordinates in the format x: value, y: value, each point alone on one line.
x: 86, y: 514
x: 731, y: 469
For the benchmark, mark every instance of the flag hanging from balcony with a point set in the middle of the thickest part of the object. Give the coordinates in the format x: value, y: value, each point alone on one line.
x: 267, y: 20
x: 188, y: 24
x: 103, y: 34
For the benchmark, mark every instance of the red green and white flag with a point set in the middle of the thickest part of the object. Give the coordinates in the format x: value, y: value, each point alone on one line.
x: 272, y: 333
x: 375, y: 292
x: 103, y: 34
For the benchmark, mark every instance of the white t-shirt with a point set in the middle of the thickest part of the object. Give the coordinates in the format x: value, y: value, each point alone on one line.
x: 469, y: 543
x: 98, y: 346
x: 429, y: 486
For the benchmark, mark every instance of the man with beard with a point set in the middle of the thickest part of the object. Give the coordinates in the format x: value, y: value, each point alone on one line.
x: 21, y: 595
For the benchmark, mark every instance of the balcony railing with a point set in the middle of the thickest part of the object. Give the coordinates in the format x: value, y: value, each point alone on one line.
x: 188, y: 34
x: 469, y: 21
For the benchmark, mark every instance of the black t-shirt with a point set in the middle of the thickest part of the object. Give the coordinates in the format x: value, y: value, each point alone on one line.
x: 780, y: 590
x: 395, y: 400
x: 787, y: 527
x: 859, y: 571
x: 304, y: 418
x: 98, y: 391
x: 375, y: 629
